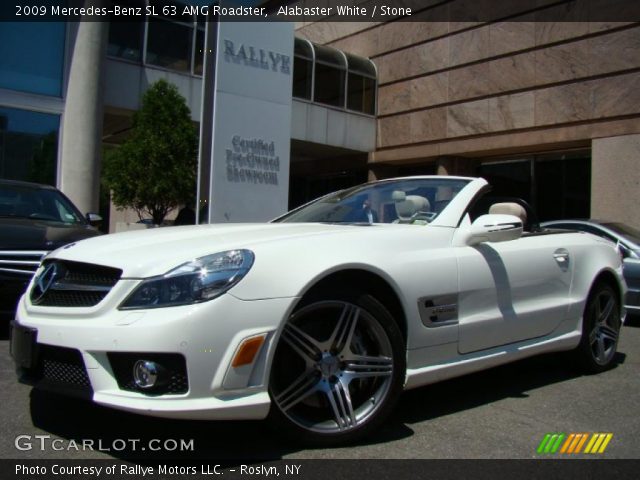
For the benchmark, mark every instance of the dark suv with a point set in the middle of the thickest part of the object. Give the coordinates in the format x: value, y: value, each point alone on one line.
x: 34, y: 219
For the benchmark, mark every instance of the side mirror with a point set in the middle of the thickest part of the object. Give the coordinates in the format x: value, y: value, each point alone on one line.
x: 494, y: 228
x: 94, y: 219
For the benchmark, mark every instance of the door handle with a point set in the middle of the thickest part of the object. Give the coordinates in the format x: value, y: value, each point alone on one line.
x: 561, y: 256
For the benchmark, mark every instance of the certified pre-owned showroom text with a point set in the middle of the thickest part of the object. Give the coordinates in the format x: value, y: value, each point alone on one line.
x: 46, y: 442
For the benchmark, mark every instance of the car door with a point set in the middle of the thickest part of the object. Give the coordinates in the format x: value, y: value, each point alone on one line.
x: 512, y: 291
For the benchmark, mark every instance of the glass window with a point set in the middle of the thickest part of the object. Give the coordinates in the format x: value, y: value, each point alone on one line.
x: 200, y: 40
x: 361, y: 84
x: 125, y: 37
x: 329, y: 85
x: 563, y: 188
x: 32, y: 56
x: 362, y: 94
x: 304, y: 188
x: 556, y: 185
x: 302, y: 69
x: 360, y: 65
x: 169, y: 45
x: 410, y: 201
x: 509, y: 179
x: 329, y: 76
x: 38, y: 203
x: 302, y: 73
x: 198, y: 60
x: 28, y: 145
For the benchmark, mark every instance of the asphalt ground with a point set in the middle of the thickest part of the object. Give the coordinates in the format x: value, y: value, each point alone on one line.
x: 504, y: 412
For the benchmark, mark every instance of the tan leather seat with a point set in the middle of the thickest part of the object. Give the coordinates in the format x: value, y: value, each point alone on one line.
x: 509, y: 208
x: 412, y: 204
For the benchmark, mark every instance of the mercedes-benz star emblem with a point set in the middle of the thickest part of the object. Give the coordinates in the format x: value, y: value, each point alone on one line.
x: 44, y: 281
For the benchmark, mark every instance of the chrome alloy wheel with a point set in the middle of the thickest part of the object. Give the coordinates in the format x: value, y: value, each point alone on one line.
x: 333, y: 367
x: 603, y: 337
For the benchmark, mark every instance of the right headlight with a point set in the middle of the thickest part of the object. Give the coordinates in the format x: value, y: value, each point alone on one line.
x: 203, y: 279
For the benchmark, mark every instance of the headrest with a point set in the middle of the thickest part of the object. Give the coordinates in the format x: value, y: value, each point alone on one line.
x: 510, y: 208
x: 398, y: 195
x: 410, y: 205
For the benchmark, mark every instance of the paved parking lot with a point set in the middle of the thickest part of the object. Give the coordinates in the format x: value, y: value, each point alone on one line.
x: 501, y: 413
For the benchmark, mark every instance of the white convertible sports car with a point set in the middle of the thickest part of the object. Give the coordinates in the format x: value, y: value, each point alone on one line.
x: 322, y: 317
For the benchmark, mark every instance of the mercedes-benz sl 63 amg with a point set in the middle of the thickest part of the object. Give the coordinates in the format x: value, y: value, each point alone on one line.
x: 321, y: 318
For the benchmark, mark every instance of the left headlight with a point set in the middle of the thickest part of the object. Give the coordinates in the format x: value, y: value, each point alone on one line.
x: 203, y: 279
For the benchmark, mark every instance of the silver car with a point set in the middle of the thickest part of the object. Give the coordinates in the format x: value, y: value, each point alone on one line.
x: 628, y: 240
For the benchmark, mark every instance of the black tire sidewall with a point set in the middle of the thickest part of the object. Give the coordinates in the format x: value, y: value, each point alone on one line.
x: 585, y: 352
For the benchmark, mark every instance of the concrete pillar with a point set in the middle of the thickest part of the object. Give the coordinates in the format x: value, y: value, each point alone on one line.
x: 81, y: 149
x: 615, y: 179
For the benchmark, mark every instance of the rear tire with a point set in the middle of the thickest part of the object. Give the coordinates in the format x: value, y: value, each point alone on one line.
x: 338, y: 370
x: 600, y: 329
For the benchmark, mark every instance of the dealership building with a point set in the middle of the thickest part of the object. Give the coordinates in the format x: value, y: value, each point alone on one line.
x: 545, y: 110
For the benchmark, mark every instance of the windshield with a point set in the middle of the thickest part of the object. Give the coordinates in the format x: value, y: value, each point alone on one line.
x: 19, y: 201
x: 626, y: 231
x: 416, y: 201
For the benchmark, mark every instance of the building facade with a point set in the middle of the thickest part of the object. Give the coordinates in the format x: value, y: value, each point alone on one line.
x: 546, y: 111
x: 91, y: 79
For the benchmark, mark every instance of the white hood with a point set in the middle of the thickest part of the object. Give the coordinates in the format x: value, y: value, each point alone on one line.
x: 146, y: 253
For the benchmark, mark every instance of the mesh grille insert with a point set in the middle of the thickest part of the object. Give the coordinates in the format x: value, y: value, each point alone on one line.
x: 63, y: 366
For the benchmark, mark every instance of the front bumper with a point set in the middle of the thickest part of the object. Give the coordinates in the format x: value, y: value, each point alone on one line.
x: 207, y: 335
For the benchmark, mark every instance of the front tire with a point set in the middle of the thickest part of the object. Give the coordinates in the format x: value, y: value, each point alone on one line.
x: 338, y: 370
x: 600, y: 329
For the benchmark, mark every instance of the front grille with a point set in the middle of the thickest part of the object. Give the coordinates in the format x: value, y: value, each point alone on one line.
x: 64, y: 298
x: 73, y: 284
x: 173, y: 379
x: 63, y: 366
x: 21, y: 262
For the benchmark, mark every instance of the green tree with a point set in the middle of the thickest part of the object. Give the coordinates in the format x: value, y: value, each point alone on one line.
x: 154, y: 170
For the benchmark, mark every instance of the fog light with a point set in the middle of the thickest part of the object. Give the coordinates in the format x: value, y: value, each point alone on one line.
x: 145, y: 373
